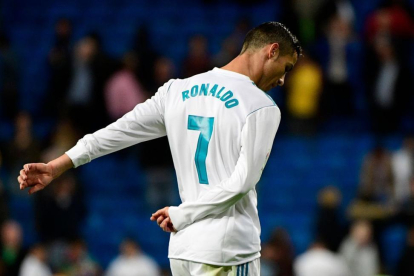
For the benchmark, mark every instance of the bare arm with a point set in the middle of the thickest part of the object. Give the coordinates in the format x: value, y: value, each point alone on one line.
x: 60, y: 165
x: 38, y: 175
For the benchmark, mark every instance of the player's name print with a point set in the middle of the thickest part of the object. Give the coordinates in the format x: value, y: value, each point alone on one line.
x: 206, y: 89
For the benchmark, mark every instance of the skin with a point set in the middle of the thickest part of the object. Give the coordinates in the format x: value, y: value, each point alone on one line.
x: 266, y: 67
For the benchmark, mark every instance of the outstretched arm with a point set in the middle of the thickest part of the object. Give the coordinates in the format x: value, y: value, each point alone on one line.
x: 38, y: 175
x: 144, y: 122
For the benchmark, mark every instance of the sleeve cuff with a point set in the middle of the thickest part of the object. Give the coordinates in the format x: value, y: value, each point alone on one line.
x: 79, y: 154
x: 177, y: 218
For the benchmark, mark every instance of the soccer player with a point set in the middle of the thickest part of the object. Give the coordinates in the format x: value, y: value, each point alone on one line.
x: 220, y: 126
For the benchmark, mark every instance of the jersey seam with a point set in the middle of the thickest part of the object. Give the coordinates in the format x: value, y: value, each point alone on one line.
x: 261, y: 108
x: 168, y: 90
x: 267, y: 95
x: 270, y: 98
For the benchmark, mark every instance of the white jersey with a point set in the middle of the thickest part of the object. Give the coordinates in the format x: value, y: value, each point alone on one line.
x: 220, y: 128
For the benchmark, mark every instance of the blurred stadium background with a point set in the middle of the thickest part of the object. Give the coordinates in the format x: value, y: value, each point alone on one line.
x: 344, y: 151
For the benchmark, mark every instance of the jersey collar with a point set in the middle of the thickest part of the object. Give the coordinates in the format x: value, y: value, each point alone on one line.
x: 231, y: 74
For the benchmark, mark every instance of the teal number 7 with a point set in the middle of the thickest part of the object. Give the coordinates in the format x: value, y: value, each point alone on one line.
x: 205, y: 126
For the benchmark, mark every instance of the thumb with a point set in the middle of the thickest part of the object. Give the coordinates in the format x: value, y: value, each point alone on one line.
x: 34, y: 167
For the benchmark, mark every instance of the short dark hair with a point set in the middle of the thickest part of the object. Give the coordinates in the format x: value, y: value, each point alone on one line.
x: 272, y: 32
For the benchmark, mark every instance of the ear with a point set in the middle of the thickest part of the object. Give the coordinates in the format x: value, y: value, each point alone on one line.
x: 273, y: 51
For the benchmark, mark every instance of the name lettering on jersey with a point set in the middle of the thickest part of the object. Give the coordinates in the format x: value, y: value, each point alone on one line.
x: 203, y: 90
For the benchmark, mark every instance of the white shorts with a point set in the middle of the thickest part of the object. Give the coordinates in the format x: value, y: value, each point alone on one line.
x: 188, y: 268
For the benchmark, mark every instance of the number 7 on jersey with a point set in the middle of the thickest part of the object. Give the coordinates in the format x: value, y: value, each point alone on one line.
x: 205, y: 126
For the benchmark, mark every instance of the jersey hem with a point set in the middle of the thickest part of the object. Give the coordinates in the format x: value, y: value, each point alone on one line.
x: 215, y: 263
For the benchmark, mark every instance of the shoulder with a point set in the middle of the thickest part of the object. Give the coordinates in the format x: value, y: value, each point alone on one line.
x: 254, y: 100
x: 268, y: 113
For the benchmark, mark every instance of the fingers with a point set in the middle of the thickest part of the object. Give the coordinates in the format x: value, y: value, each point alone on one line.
x: 21, y: 182
x: 22, y: 179
x: 36, y: 188
x: 23, y: 174
x: 163, y: 220
x: 35, y: 168
x: 27, y: 167
x: 160, y: 212
x: 160, y: 219
x: 164, y: 224
x: 167, y: 225
x: 27, y: 181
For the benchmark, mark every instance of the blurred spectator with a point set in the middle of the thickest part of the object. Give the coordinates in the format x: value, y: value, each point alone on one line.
x: 392, y: 18
x: 387, y: 86
x: 59, y: 61
x: 341, y: 8
x: 164, y: 70
x: 60, y: 211
x: 132, y: 262
x: 359, y: 251
x: 159, y: 168
x: 11, y: 250
x: 304, y: 86
x: 242, y: 27
x: 328, y: 225
x: 24, y: 148
x: 197, y: 60
x: 375, y: 200
x: 79, y: 263
x: 406, y: 213
x: 377, y: 181
x: 338, y: 52
x: 405, y: 264
x: 91, y: 70
x: 123, y: 90
x: 9, y: 79
x: 229, y: 50
x: 35, y: 263
x: 403, y: 169
x: 146, y: 56
x: 277, y: 255
x: 319, y: 261
x: 307, y: 12
x: 63, y: 138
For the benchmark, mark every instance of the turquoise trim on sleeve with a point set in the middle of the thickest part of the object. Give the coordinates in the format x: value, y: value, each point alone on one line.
x: 168, y: 90
x: 260, y: 108
x: 265, y: 93
x: 270, y: 98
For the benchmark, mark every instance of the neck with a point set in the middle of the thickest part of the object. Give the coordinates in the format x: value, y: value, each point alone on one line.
x: 246, y: 64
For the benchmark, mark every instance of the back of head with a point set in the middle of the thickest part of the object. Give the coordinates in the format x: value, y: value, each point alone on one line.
x: 129, y: 247
x: 11, y: 234
x: 272, y: 32
x: 329, y: 197
x: 361, y: 232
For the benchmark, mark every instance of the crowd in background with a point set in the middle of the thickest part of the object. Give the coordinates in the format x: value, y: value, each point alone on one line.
x: 356, y: 75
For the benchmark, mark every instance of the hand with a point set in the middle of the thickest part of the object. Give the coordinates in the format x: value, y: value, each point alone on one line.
x: 163, y: 220
x: 36, y: 175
